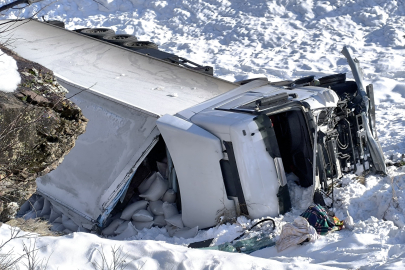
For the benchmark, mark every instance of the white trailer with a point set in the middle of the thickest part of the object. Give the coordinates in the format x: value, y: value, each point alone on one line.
x: 227, y: 145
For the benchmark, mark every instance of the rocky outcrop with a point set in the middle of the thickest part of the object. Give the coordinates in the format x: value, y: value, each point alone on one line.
x: 38, y: 127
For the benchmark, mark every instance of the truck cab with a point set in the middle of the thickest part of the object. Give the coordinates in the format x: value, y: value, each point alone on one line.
x: 316, y: 129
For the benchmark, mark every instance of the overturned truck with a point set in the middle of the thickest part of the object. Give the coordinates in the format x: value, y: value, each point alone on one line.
x: 169, y: 145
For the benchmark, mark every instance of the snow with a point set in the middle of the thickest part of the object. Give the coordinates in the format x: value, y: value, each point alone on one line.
x: 279, y: 39
x: 9, y: 76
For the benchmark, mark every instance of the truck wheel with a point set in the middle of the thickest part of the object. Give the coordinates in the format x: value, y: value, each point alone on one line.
x: 137, y: 45
x: 120, y: 39
x: 333, y: 79
x: 57, y: 23
x: 98, y: 32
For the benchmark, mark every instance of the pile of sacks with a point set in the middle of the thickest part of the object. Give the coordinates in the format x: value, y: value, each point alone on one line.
x: 39, y: 207
x: 156, y: 207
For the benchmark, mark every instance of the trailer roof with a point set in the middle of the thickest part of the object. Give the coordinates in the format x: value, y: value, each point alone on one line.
x: 132, y: 78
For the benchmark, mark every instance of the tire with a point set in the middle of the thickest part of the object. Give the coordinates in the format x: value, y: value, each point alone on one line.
x: 57, y: 23
x: 120, y: 39
x: 333, y: 79
x: 98, y: 32
x: 303, y: 80
x: 250, y: 80
x: 138, y: 45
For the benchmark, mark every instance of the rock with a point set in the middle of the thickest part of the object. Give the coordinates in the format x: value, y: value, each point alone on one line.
x: 10, y: 210
x: 38, y: 127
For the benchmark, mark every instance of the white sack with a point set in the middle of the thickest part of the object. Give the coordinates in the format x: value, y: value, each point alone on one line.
x: 156, y: 207
x: 144, y: 186
x: 142, y: 215
x: 142, y: 225
x: 38, y: 205
x: 30, y: 215
x: 25, y: 207
x: 33, y: 199
x: 169, y: 210
x: 122, y: 227
x: 57, y: 227
x: 296, y: 233
x: 186, y: 232
x: 58, y: 219
x: 162, y: 168
x: 110, y: 229
x: 55, y: 212
x: 129, y: 231
x: 56, y: 209
x: 132, y: 208
x: 54, y: 215
x: 46, y: 209
x: 28, y: 205
x: 67, y: 231
x: 69, y: 224
x: 156, y: 190
x: 159, y: 221
x: 169, y: 196
x: 176, y: 220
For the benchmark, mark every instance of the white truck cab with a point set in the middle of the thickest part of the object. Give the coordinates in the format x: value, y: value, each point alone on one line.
x: 254, y: 136
x: 257, y: 136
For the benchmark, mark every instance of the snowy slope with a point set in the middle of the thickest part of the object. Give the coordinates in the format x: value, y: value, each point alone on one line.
x: 9, y: 76
x: 283, y: 38
x: 280, y: 39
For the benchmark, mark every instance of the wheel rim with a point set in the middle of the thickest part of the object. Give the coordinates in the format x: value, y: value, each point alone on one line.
x: 120, y: 37
x: 98, y: 31
x: 140, y: 45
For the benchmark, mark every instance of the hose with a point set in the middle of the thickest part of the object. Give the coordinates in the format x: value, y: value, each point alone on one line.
x: 261, y: 221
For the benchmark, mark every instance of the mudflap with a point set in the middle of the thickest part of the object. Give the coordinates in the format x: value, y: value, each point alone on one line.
x: 284, y: 201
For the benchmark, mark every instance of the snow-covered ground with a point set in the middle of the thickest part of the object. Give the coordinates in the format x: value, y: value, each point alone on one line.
x: 279, y: 39
x: 9, y: 76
